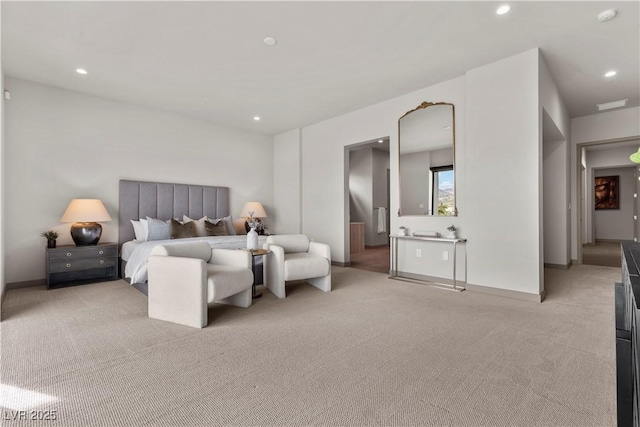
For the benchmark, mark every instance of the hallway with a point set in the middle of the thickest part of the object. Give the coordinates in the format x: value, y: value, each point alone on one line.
x: 606, y: 254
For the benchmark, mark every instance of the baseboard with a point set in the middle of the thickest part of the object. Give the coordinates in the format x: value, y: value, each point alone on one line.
x: 523, y: 296
x: 26, y: 284
x: 2, y: 294
x: 341, y: 264
x: 609, y: 241
x: 558, y: 266
x: 429, y: 279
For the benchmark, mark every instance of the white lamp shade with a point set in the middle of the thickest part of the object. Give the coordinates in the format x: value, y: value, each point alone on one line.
x: 85, y: 210
x: 256, y: 208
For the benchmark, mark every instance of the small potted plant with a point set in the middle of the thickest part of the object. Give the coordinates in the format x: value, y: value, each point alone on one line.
x: 51, y: 237
x: 452, y: 232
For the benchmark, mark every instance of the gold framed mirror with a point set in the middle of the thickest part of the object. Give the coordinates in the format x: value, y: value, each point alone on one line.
x: 426, y: 156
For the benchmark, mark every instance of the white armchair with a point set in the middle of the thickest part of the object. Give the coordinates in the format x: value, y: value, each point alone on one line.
x: 186, y: 278
x: 294, y: 257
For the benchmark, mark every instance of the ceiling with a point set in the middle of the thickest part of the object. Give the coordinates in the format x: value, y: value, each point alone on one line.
x: 208, y: 59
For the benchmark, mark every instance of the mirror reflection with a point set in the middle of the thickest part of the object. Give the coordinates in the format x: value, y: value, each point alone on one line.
x: 426, y: 146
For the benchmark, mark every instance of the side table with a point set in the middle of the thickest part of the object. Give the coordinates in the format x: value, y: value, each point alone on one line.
x: 257, y: 274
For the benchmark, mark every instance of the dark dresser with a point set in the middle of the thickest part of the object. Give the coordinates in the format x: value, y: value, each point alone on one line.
x: 77, y: 265
x: 627, y: 340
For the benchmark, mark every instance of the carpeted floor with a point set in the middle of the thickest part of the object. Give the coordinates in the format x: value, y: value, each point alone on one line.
x: 372, y: 352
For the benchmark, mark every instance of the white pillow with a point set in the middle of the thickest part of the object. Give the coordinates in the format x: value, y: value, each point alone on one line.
x: 141, y: 229
x: 200, y: 231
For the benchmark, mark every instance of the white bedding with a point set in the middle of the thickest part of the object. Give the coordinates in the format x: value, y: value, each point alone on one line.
x: 137, y: 253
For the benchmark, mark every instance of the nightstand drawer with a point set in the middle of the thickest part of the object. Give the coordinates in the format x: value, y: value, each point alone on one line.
x: 81, y: 264
x: 83, y: 252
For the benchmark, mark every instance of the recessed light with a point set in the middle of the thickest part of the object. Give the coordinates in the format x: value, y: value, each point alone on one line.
x: 380, y: 141
x: 613, y: 104
x: 447, y: 127
x: 503, y: 9
x: 81, y: 71
x: 607, y: 15
x: 256, y: 118
x: 610, y: 73
x: 270, y: 41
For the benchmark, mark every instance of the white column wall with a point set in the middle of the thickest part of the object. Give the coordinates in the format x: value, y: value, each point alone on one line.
x: 62, y: 145
x: 504, y: 169
x: 286, y: 218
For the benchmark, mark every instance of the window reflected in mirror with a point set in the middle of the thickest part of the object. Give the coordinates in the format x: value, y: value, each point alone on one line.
x: 426, y: 146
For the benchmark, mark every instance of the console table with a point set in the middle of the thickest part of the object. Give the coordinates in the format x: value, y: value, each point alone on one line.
x: 394, y: 239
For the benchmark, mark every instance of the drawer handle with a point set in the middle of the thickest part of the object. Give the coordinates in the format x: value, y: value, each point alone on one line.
x: 68, y: 253
x: 101, y: 252
x: 68, y: 265
x: 101, y: 261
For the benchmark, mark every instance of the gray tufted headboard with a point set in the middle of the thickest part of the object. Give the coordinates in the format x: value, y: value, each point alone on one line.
x: 139, y: 199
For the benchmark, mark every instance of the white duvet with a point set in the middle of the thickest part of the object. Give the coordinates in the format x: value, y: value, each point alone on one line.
x: 137, y: 253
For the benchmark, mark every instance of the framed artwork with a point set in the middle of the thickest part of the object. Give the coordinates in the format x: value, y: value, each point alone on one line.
x: 607, y: 192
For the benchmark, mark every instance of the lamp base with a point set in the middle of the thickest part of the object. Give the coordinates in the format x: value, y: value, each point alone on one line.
x: 86, y: 233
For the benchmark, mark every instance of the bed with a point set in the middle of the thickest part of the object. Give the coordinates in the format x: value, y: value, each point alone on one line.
x: 139, y: 199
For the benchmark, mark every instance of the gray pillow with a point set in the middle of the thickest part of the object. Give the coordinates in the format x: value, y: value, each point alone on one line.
x: 182, y: 231
x: 158, y: 229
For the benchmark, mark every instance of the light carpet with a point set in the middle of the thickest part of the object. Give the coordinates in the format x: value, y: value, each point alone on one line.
x: 372, y: 352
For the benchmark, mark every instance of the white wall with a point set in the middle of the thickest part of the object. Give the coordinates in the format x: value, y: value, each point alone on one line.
x: 380, y: 196
x: 361, y: 188
x: 556, y: 194
x: 555, y: 203
x: 606, y: 126
x: 504, y: 174
x: 286, y: 178
x: 3, y: 282
x: 617, y: 224
x: 62, y: 145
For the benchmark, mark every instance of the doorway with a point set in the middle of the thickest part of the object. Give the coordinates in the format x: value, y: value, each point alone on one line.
x: 367, y: 213
x: 609, y: 204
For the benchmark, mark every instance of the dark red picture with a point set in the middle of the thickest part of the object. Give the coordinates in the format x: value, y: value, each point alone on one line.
x: 607, y: 192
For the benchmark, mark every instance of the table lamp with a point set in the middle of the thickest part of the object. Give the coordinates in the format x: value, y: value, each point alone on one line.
x: 85, y: 214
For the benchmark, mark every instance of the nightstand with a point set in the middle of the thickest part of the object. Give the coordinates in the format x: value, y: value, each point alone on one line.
x: 78, y: 265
